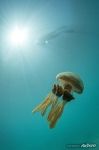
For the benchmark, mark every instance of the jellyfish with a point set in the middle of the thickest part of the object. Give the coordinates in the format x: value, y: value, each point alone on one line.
x: 60, y: 95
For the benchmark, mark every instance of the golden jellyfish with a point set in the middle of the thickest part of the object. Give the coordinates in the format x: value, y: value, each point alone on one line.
x: 61, y: 94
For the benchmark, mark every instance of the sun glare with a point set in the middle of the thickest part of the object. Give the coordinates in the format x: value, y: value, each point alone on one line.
x: 18, y: 36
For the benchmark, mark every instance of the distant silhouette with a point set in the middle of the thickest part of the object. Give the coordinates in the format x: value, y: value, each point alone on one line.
x: 54, y: 34
x: 63, y: 30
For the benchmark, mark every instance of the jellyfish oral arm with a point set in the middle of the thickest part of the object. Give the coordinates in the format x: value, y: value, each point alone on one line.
x: 64, y: 92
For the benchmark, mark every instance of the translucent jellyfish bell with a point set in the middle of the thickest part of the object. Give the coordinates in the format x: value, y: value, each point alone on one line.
x: 71, y: 80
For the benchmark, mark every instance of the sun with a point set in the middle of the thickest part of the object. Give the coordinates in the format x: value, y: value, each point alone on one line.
x: 18, y: 36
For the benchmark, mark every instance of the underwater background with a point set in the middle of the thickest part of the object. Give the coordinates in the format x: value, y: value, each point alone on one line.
x: 64, y: 37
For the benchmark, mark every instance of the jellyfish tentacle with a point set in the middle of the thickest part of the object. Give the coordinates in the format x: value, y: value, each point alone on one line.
x: 58, y: 92
x: 51, y: 113
x: 54, y: 105
x: 51, y: 99
x: 43, y: 105
x: 54, y: 101
x: 56, y: 113
x: 55, y: 117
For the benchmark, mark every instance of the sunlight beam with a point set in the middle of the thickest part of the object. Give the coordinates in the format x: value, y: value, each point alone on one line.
x: 18, y: 36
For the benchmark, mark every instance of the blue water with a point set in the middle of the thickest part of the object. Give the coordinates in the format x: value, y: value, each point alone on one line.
x: 71, y: 29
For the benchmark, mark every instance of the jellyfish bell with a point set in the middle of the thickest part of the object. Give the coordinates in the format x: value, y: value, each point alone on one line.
x: 71, y: 81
